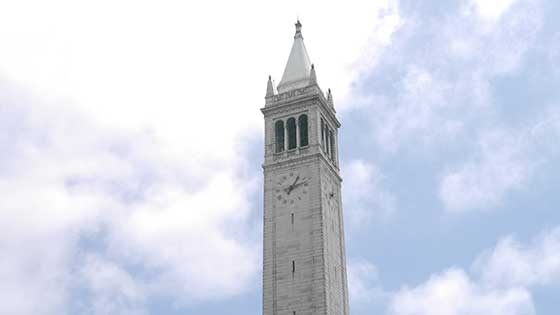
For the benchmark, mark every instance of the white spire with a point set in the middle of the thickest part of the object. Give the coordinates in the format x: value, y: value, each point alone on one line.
x: 297, y: 71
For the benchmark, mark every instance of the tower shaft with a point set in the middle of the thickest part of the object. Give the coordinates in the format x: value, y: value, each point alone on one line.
x: 304, y: 264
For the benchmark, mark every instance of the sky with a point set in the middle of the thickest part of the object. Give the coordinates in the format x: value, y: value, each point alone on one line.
x: 132, y: 144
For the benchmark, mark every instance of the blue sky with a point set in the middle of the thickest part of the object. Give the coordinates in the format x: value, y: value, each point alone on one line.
x: 131, y: 180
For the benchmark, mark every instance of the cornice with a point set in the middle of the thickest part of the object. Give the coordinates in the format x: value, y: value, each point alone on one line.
x: 300, y: 160
x: 290, y: 100
x: 292, y: 105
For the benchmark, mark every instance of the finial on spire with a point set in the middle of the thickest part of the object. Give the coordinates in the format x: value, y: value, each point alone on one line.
x: 313, y: 75
x: 330, y: 99
x: 269, y: 87
x: 298, y: 29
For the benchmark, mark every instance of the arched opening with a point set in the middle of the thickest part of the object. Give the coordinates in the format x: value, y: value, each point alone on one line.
x: 291, y: 125
x: 279, y: 136
x: 303, y: 133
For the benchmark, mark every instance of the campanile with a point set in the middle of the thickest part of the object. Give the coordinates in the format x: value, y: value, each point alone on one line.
x: 304, y: 263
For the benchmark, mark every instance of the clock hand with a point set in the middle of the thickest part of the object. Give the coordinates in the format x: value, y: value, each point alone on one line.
x: 295, y: 184
x: 292, y: 187
x: 299, y: 184
x: 297, y: 178
x: 289, y: 189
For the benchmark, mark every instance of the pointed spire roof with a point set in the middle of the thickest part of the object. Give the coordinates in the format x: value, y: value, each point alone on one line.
x: 297, y: 72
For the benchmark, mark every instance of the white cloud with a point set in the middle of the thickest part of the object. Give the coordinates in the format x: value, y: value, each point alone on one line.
x: 147, y: 107
x: 369, y: 40
x: 365, y: 197
x: 504, y: 161
x: 511, y: 263
x: 159, y: 65
x: 112, y: 289
x: 186, y: 238
x: 423, y: 96
x: 363, y: 283
x: 63, y: 179
x: 34, y: 272
x: 434, y: 81
x: 501, y: 165
x: 452, y: 292
x: 545, y: 134
x: 501, y: 281
x: 492, y: 9
x: 136, y: 138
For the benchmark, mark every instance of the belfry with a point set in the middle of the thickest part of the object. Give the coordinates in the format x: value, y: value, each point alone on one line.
x: 304, y: 261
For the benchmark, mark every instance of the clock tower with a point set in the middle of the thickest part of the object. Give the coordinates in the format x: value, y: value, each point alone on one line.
x: 304, y: 263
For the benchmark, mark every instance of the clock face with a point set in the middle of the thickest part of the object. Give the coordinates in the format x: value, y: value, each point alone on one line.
x: 291, y: 188
x: 330, y: 191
